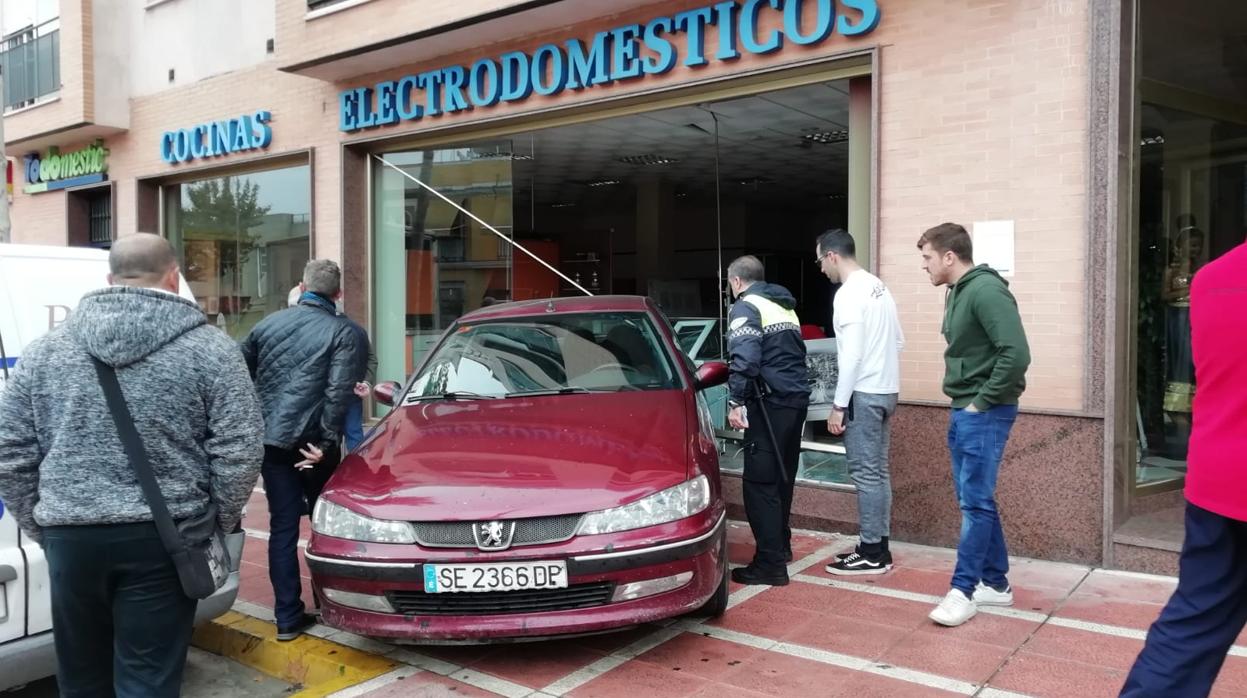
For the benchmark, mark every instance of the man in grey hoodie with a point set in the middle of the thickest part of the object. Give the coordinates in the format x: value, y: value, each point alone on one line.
x: 121, y: 622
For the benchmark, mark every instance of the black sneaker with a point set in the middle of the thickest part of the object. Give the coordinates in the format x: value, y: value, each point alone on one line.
x: 856, y: 564
x: 290, y: 632
x: 887, y: 556
x: 752, y: 575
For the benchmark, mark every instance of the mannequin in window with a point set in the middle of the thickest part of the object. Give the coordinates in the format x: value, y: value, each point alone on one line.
x: 1186, y: 257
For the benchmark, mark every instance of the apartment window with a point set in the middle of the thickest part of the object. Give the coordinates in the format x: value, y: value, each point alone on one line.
x: 31, y: 63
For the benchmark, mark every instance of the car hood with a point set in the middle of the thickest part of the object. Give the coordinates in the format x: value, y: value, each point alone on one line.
x: 517, y: 457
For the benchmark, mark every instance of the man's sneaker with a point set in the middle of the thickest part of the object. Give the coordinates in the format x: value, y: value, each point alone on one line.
x: 856, y: 564
x: 286, y: 633
x: 887, y: 556
x: 987, y: 596
x: 752, y: 575
x: 954, y: 610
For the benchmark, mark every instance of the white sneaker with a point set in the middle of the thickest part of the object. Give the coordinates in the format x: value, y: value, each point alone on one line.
x: 987, y: 596
x: 954, y: 610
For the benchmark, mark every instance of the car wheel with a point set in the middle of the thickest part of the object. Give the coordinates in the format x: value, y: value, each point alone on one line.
x: 717, y: 605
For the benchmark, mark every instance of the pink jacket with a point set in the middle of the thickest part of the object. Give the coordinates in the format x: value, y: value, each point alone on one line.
x: 1217, y: 470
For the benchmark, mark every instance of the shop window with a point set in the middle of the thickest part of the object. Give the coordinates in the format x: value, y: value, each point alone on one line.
x: 651, y: 203
x: 243, y: 240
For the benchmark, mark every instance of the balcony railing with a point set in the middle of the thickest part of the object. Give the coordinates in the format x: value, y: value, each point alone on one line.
x: 31, y: 63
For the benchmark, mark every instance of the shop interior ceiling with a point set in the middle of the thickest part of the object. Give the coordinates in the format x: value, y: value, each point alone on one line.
x: 1199, y: 46
x: 789, y: 147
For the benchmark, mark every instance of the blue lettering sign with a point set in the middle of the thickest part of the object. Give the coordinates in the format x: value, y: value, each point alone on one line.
x: 592, y: 69
x: 754, y: 27
x: 484, y: 77
x: 217, y: 138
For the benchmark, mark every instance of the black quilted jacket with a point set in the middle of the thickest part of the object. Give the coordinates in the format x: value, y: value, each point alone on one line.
x: 305, y: 362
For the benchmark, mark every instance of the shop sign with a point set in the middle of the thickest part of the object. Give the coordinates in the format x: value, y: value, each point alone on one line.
x: 217, y: 138
x: 56, y: 170
x: 720, y: 32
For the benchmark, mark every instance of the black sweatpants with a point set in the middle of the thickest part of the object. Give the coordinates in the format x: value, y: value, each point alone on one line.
x: 768, y: 497
x: 120, y: 619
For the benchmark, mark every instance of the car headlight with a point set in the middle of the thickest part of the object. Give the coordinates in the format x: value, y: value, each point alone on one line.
x: 672, y: 504
x: 339, y: 522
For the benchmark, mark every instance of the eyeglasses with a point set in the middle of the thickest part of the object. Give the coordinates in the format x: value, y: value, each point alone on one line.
x: 818, y: 262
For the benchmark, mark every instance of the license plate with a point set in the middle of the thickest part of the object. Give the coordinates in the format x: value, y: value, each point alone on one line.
x: 495, y: 576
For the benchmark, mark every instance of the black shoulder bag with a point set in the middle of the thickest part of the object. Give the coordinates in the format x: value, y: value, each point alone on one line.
x: 197, y: 545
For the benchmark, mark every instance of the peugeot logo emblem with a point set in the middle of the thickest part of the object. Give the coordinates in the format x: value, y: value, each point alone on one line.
x: 494, y: 535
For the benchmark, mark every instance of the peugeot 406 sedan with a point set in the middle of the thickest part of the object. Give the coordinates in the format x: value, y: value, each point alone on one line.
x: 549, y: 470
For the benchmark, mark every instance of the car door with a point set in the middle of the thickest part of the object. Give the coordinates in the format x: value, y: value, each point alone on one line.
x: 12, y: 580
x: 696, y: 338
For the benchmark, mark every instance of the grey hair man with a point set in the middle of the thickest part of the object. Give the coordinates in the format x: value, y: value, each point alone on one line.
x: 769, y: 394
x: 121, y: 621
x: 868, y: 346
x: 306, y: 361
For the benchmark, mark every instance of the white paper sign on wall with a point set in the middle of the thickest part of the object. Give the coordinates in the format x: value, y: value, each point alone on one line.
x: 993, y: 245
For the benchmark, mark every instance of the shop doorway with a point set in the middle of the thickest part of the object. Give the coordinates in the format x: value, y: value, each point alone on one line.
x: 654, y: 203
x: 1191, y: 207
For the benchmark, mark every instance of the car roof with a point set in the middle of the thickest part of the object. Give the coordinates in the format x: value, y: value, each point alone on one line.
x: 52, y: 252
x: 560, y: 306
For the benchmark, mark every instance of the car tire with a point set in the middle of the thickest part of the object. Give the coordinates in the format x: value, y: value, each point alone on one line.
x: 717, y: 605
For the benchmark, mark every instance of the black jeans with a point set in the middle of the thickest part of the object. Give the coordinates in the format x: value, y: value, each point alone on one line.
x: 767, y: 495
x: 120, y: 620
x: 291, y: 495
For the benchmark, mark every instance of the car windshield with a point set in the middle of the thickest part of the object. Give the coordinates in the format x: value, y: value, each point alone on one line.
x: 547, y: 355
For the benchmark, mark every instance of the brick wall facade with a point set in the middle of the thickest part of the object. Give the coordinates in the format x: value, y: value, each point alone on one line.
x: 982, y: 117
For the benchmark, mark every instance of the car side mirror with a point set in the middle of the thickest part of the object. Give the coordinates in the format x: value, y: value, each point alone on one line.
x: 385, y: 393
x: 710, y: 374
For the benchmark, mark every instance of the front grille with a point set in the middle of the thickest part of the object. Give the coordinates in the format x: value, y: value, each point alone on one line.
x: 536, y: 531
x: 418, y: 603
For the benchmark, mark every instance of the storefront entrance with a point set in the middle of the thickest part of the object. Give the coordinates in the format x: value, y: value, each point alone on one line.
x: 654, y: 203
x: 1190, y: 207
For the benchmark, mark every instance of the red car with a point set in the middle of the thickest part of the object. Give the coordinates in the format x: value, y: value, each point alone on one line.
x: 549, y: 470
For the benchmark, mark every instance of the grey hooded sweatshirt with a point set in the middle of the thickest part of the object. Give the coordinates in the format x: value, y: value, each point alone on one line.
x: 185, y: 382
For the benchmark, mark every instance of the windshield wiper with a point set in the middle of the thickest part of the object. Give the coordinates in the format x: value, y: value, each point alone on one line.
x: 452, y: 395
x: 570, y: 390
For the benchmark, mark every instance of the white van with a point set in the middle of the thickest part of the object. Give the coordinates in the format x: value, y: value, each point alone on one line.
x: 39, y: 288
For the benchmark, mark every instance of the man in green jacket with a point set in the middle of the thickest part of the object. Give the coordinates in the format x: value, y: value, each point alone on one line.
x: 984, y: 375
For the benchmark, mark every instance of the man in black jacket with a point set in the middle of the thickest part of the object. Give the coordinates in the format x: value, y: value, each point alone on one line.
x: 769, y: 394
x: 305, y: 361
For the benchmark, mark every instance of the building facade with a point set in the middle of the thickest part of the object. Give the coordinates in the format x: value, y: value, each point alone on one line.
x: 1094, y: 147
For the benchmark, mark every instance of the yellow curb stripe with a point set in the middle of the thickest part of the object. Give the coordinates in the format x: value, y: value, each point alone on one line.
x: 319, y: 666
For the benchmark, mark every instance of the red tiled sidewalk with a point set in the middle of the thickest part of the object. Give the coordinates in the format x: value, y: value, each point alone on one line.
x: 1072, y: 632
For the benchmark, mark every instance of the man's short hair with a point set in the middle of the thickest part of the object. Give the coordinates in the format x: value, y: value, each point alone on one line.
x: 323, y: 277
x: 141, y: 258
x: 949, y: 237
x: 839, y: 241
x: 748, y: 269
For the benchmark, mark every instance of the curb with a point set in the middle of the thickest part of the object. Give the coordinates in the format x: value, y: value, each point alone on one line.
x: 316, y: 667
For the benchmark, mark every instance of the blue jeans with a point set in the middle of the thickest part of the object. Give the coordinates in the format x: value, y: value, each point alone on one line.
x: 1186, y: 646
x: 976, y: 441
x: 353, y: 430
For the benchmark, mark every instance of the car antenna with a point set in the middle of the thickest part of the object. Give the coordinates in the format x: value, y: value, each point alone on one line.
x: 550, y: 306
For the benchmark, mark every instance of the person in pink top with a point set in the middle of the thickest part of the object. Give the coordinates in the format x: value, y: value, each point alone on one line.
x: 1187, y: 645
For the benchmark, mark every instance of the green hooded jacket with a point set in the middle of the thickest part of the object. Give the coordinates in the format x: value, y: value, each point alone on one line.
x: 987, y: 355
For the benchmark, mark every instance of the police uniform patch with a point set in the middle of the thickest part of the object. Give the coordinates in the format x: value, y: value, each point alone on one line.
x: 738, y: 323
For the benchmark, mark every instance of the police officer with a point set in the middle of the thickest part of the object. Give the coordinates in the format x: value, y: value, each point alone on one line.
x: 769, y: 394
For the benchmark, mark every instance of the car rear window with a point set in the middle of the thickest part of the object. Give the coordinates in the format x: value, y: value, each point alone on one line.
x: 572, y: 353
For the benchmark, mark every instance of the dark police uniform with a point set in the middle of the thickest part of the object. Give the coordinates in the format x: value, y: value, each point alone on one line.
x: 768, y: 372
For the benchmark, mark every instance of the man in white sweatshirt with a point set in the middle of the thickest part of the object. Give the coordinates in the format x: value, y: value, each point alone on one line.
x: 868, y: 346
